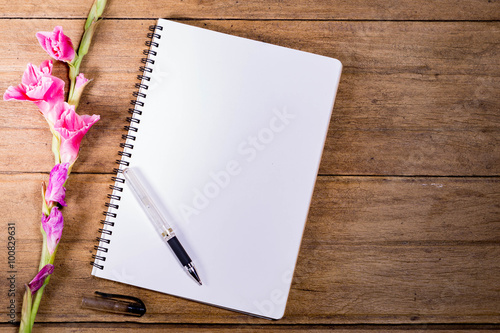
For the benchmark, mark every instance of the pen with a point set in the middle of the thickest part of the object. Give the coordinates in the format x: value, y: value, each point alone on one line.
x: 122, y: 304
x: 160, y: 224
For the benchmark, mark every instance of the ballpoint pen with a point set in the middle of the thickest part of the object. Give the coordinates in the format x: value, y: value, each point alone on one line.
x: 160, y: 223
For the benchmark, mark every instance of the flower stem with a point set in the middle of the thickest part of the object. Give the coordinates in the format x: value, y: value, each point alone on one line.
x: 36, y: 302
x: 74, y: 70
x: 26, y: 325
x: 56, y: 143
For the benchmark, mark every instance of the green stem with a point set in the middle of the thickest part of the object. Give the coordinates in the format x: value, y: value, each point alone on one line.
x: 74, y: 70
x: 45, y: 257
x: 36, y: 303
x: 55, y: 148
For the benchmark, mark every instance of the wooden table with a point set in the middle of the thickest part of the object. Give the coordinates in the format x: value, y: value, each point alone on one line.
x: 404, y: 228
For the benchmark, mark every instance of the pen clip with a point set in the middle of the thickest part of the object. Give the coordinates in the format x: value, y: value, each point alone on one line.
x: 116, y: 296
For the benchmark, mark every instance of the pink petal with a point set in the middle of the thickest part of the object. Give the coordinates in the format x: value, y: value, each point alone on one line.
x: 46, y: 67
x: 43, y: 35
x: 55, y: 91
x: 53, y: 227
x: 44, y: 38
x: 38, y: 86
x: 39, y: 279
x: 89, y: 121
x: 51, y: 111
x: 81, y: 80
x: 72, y: 129
x: 31, y: 75
x: 17, y: 93
x: 65, y: 44
x: 55, y: 190
x: 57, y: 44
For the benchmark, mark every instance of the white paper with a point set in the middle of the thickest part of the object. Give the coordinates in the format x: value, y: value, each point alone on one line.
x: 229, y: 144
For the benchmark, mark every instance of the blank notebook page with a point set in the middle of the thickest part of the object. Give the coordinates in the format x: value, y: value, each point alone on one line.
x: 229, y: 144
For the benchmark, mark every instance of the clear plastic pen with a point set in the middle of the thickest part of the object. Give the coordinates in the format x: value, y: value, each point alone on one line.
x: 160, y: 223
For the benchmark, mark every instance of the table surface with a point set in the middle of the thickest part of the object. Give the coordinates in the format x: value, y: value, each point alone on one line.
x: 403, y: 231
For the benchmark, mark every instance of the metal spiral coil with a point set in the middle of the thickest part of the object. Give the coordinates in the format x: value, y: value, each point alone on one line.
x: 131, y: 127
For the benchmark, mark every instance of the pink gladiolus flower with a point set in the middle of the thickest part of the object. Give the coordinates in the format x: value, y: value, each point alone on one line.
x: 72, y: 128
x: 57, y: 44
x: 38, y: 86
x: 39, y: 279
x: 56, y: 191
x: 53, y: 227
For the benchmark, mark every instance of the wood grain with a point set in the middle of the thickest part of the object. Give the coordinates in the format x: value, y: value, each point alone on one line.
x: 201, y: 328
x: 415, y: 98
x: 375, y: 250
x: 403, y: 230
x: 259, y: 9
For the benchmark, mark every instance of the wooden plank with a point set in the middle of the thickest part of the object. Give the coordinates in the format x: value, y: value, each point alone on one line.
x: 364, y: 137
x: 375, y: 250
x: 404, y: 211
x: 259, y: 9
x: 415, y: 98
x: 133, y: 327
x: 453, y: 48
x: 423, y: 211
x: 348, y: 284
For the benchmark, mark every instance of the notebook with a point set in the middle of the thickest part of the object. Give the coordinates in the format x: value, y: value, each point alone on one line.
x: 227, y: 134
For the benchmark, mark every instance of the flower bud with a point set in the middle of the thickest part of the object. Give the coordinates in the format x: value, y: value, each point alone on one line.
x: 87, y: 40
x: 95, y: 12
x: 39, y: 279
x: 53, y: 227
x: 80, y: 83
x: 55, y: 190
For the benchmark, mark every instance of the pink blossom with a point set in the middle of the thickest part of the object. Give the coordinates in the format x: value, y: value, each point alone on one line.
x: 53, y: 227
x: 38, y: 86
x: 39, y: 279
x: 72, y: 128
x: 55, y: 190
x: 57, y: 44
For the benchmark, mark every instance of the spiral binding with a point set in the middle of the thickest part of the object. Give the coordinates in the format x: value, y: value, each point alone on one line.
x: 125, y: 154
